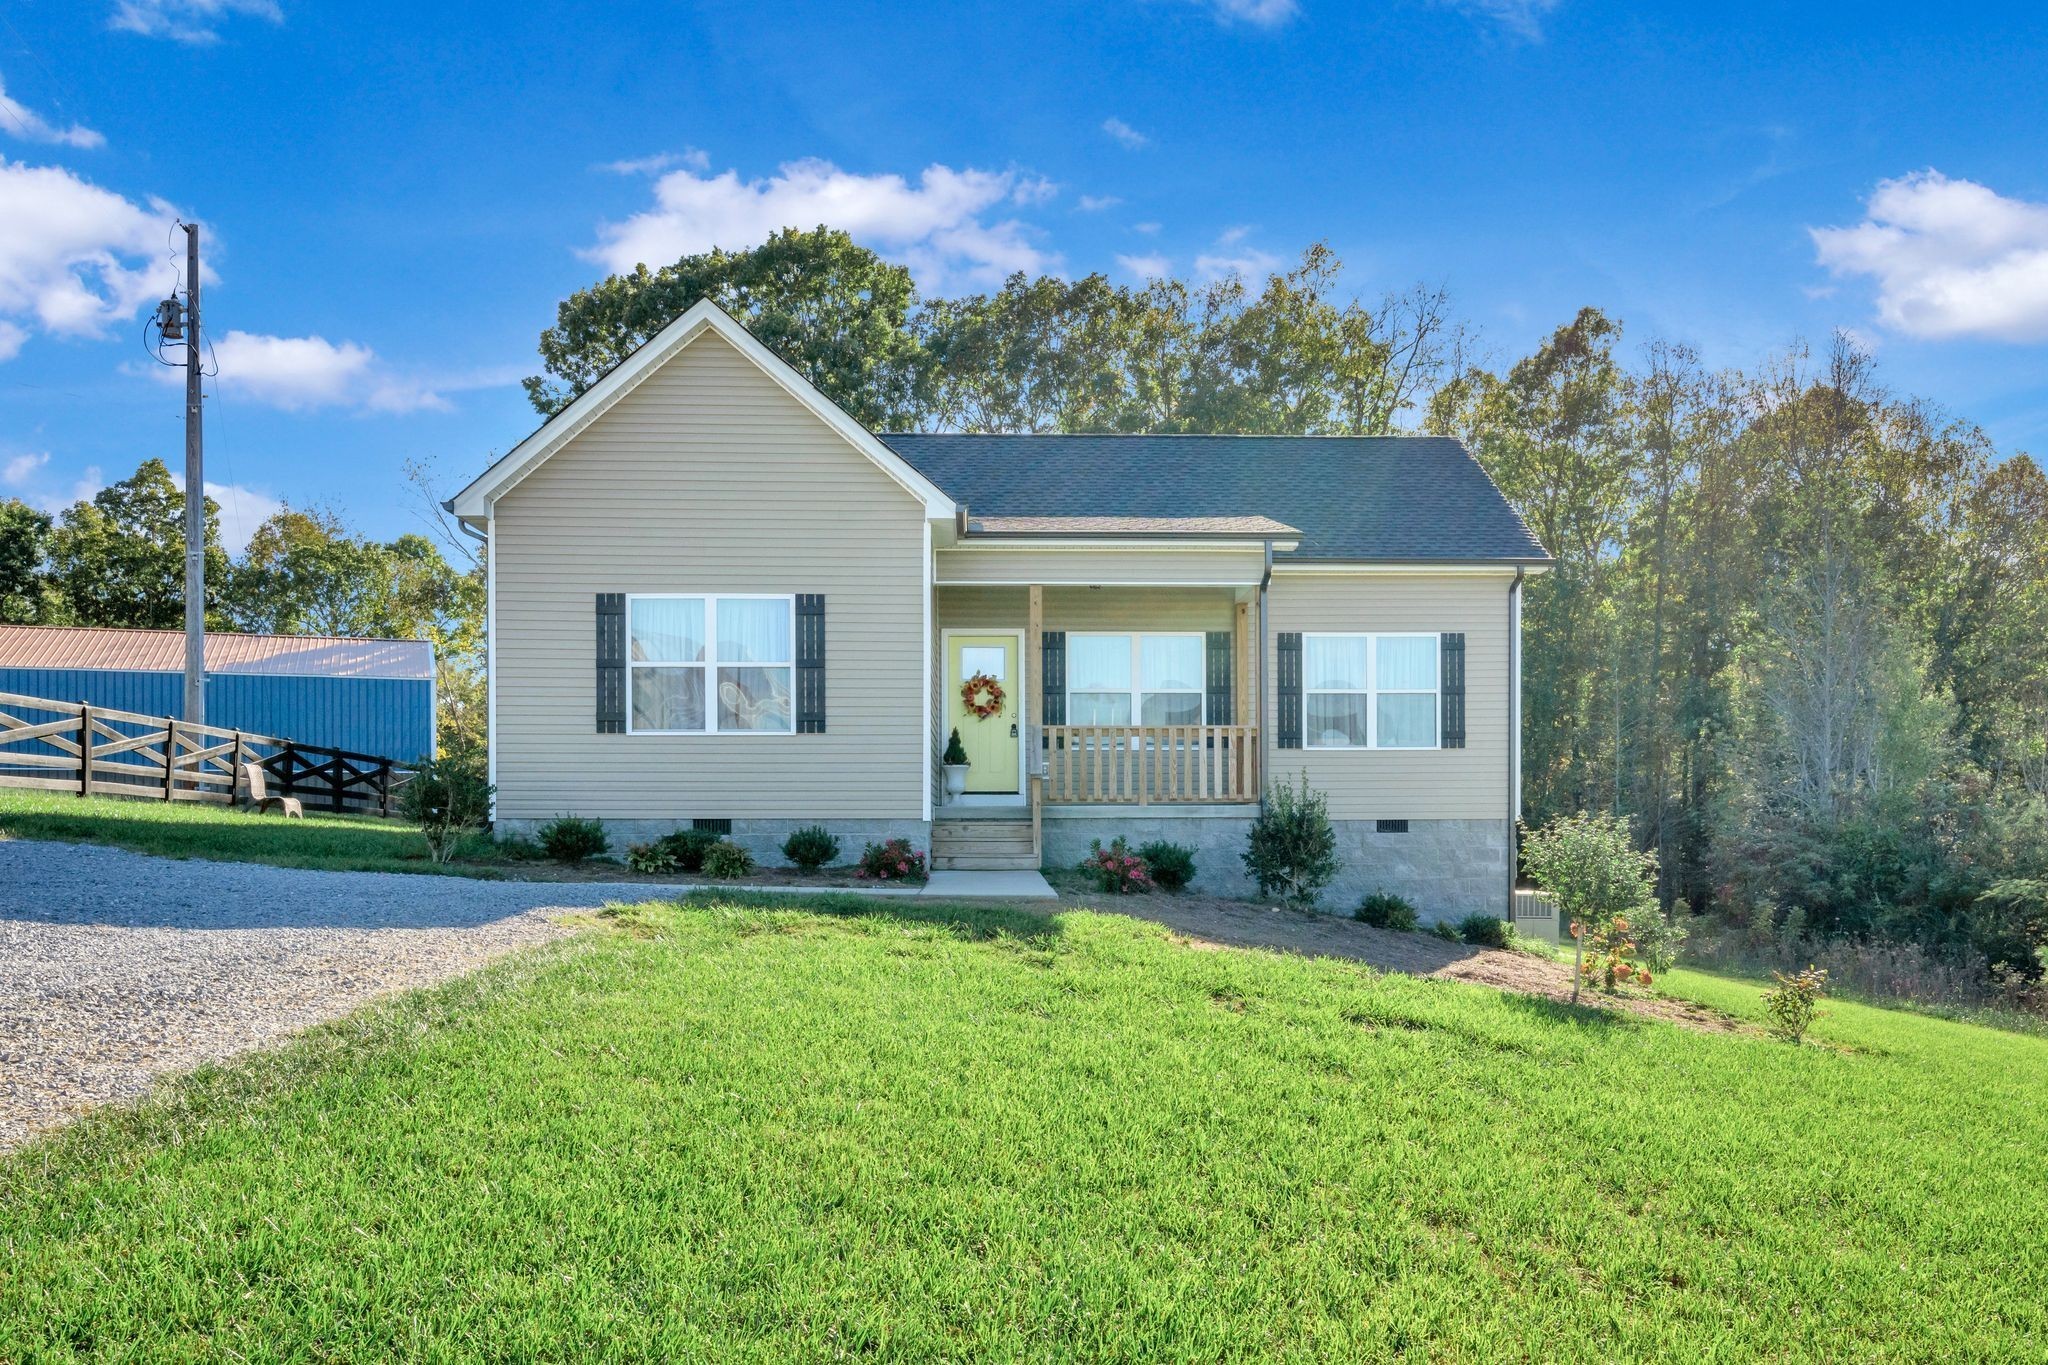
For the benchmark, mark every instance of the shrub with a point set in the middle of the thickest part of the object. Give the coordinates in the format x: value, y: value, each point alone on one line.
x: 895, y: 861
x: 1292, y: 850
x: 447, y: 798
x: 1607, y: 954
x: 1590, y: 865
x: 1116, y: 870
x: 956, y: 752
x: 726, y: 859
x: 1482, y: 930
x: 1385, y: 910
x: 1791, y: 1005
x: 1172, y: 865
x: 689, y: 847
x: 656, y: 858
x: 1447, y: 932
x: 570, y: 839
x: 518, y: 848
x: 811, y: 847
x: 2009, y: 926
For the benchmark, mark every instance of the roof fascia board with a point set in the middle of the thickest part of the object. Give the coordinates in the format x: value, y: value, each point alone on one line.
x: 473, y: 503
x: 1097, y: 544
x: 1505, y: 568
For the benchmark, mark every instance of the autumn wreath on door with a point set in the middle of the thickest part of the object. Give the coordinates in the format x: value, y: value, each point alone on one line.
x: 982, y: 695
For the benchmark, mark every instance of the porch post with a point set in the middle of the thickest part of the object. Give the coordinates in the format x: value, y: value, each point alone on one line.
x: 1031, y: 666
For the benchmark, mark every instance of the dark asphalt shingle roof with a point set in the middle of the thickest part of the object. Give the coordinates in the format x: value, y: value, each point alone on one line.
x: 1353, y: 497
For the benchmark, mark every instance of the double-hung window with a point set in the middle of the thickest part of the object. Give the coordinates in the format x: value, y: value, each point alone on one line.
x: 1370, y: 691
x: 712, y: 665
x: 1135, y: 679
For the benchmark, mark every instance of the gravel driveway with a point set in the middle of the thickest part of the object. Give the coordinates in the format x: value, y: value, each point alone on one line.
x: 116, y: 968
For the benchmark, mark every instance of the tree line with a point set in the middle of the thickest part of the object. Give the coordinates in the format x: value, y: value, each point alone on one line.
x: 1798, y: 628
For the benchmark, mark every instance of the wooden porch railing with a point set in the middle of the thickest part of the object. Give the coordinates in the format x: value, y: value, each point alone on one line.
x: 98, y: 751
x: 1144, y: 764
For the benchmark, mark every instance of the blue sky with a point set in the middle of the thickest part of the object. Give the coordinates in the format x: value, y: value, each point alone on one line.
x: 395, y: 196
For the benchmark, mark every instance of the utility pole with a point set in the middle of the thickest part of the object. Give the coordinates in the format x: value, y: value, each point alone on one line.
x: 195, y: 496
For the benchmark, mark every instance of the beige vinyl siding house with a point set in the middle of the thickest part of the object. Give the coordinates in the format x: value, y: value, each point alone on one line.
x: 714, y: 597
x: 1468, y: 783
x: 682, y: 487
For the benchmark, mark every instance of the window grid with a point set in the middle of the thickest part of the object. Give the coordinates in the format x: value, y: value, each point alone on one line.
x: 1372, y: 693
x: 711, y: 665
x: 1138, y: 691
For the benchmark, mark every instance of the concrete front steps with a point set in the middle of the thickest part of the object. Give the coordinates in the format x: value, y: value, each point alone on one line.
x: 983, y: 845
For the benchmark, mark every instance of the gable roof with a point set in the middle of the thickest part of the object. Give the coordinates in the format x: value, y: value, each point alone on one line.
x: 473, y: 502
x: 163, y: 651
x: 1396, y: 499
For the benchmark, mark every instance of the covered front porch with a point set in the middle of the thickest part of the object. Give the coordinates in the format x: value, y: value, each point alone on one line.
x: 1111, y: 695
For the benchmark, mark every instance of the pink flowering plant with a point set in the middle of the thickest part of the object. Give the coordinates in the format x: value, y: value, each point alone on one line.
x: 895, y: 861
x: 1116, y: 870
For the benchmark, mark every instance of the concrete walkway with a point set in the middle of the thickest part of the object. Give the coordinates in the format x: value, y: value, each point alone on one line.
x: 982, y: 886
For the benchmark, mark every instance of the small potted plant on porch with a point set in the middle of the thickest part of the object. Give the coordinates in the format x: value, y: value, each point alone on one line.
x: 956, y: 766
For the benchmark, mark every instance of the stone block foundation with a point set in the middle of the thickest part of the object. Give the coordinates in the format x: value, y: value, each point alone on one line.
x: 1447, y: 868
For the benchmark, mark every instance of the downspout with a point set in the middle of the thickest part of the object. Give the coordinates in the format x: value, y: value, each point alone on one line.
x: 1265, y: 727
x: 1514, y: 810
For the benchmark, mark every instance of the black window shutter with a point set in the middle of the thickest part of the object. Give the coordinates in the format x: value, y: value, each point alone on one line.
x: 611, y: 663
x: 1287, y: 731
x: 1053, y: 677
x: 1453, y: 681
x: 810, y: 663
x: 1220, y: 703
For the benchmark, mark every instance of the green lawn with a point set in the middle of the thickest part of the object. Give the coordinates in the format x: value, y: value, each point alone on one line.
x: 191, y: 829
x: 735, y: 1131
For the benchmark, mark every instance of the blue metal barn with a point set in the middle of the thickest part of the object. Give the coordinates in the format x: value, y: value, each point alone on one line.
x: 369, y: 696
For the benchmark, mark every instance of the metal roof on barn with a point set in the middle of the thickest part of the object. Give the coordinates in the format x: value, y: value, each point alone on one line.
x: 163, y: 651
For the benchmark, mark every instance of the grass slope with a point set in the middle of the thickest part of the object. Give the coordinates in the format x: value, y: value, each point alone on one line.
x: 752, y: 1132
x: 190, y: 829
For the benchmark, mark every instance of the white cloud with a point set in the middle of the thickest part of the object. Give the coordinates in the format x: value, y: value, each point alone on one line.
x: 302, y: 374
x: 659, y: 162
x: 1142, y: 268
x: 936, y: 226
x: 242, y: 510
x: 1149, y: 229
x: 75, y: 259
x: 1125, y: 134
x: 1096, y: 203
x: 1265, y: 13
x: 1523, y: 18
x: 82, y: 490
x: 17, y: 471
x: 23, y: 122
x: 186, y: 21
x: 1034, y: 190
x: 1250, y: 263
x: 1951, y: 258
x: 1232, y: 236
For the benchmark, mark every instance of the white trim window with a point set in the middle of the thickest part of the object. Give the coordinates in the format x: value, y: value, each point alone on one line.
x: 1136, y: 679
x: 711, y: 665
x: 1370, y: 691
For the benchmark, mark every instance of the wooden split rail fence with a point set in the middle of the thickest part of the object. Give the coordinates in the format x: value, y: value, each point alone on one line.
x: 99, y: 751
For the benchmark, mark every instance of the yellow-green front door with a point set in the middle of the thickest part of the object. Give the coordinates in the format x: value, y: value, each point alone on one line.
x: 991, y: 742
